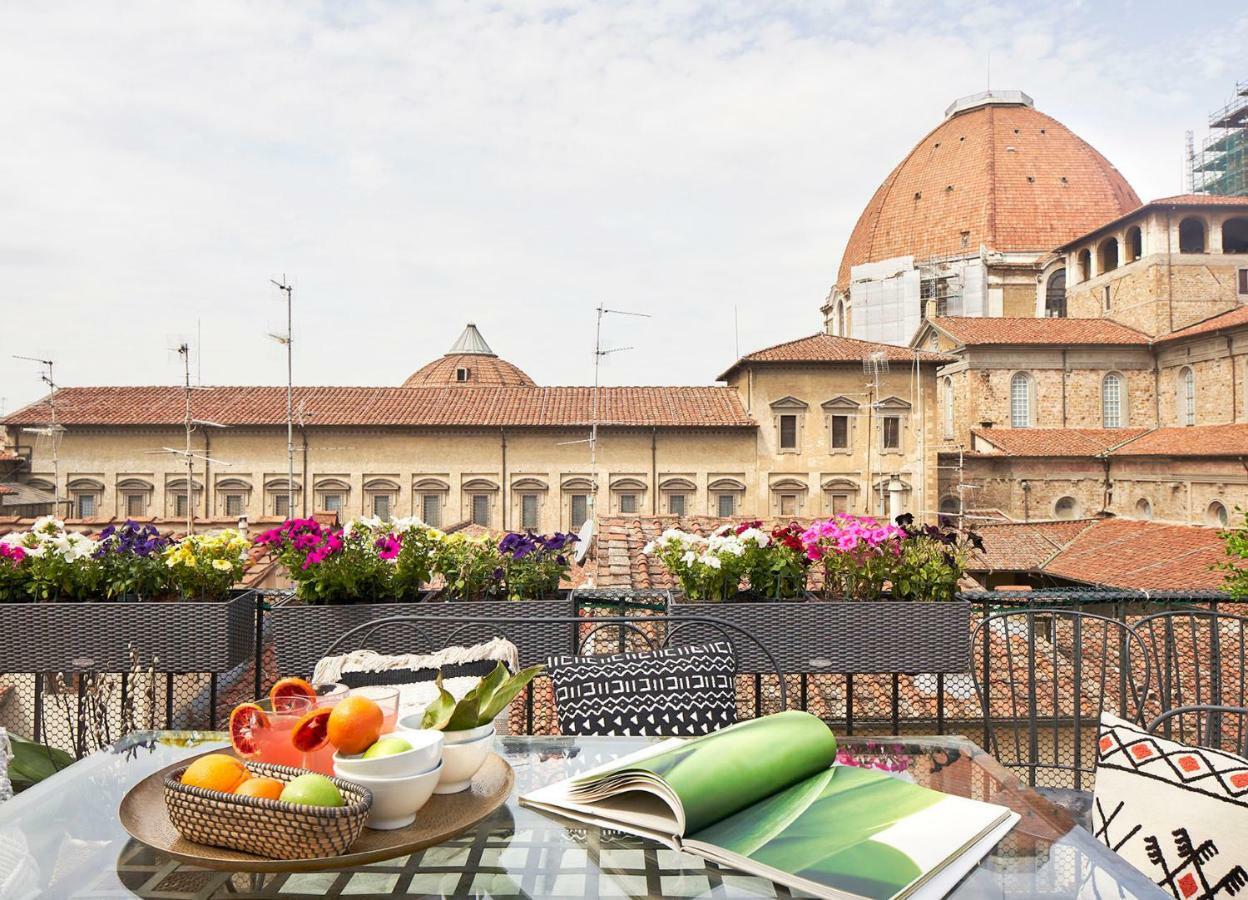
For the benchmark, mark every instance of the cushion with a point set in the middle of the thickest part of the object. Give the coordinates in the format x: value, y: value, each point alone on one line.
x: 414, y: 674
x: 679, y: 691
x: 1179, y: 814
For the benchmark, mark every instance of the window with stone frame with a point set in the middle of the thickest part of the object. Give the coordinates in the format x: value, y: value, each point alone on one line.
x: 1020, y: 400
x: 135, y: 504
x: 179, y: 505
x: 381, y: 505
x: 788, y: 414
x: 839, y: 495
x: 87, y: 503
x: 528, y: 512
x: 840, y: 415
x: 676, y: 504
x: 1187, y: 396
x: 480, y: 506
x: 234, y: 505
x: 1242, y: 281
x: 840, y: 504
x: 331, y: 502
x: 431, y: 510
x: 578, y: 510
x: 788, y: 432
x: 1113, y: 396
x: 281, y: 505
x: 891, y: 420
x: 892, y: 432
x: 726, y: 505
x: 628, y: 503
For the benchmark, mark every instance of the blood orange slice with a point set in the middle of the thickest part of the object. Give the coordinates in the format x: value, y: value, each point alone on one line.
x: 290, y: 687
x: 312, y: 731
x: 246, y: 722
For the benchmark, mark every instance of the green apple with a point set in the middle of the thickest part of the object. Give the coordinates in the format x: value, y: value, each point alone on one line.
x: 312, y: 790
x: 387, y: 746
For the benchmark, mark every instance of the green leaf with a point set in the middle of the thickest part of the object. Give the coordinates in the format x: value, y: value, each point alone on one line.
x: 34, y: 762
x: 438, y: 713
x: 506, y: 692
x: 487, y: 686
x: 466, y: 714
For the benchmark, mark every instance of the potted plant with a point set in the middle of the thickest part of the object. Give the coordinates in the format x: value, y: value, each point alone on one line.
x: 61, y: 596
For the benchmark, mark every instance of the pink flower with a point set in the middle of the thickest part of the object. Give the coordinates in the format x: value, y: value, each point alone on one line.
x: 388, y: 547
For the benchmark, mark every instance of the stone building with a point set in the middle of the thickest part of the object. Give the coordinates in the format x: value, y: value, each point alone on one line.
x: 797, y: 429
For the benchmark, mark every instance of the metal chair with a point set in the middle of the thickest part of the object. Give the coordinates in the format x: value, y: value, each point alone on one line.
x: 1043, y: 677
x: 573, y: 634
x: 1200, y: 656
x: 1205, y: 725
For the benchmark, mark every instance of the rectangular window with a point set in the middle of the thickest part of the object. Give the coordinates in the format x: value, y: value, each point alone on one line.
x: 788, y: 432
x: 580, y: 511
x: 528, y: 511
x: 892, y: 433
x: 234, y: 505
x: 431, y: 510
x: 676, y: 504
x: 788, y: 504
x: 381, y: 506
x: 481, y: 510
x: 331, y: 503
x: 840, y: 432
x: 1107, y: 298
x: 86, y: 506
x: 179, y: 505
x: 628, y: 503
x: 1243, y: 282
x: 134, y: 505
x: 281, y: 505
x: 727, y: 505
x: 840, y: 504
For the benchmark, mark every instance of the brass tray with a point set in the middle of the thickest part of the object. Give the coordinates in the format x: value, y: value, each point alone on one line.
x: 144, y: 816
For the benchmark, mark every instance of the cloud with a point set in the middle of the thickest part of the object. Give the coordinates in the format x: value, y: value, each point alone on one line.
x: 413, y: 166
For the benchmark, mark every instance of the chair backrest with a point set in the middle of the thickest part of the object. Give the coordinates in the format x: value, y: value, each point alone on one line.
x: 599, y: 635
x: 1043, y: 677
x: 1199, y: 657
x: 1205, y: 725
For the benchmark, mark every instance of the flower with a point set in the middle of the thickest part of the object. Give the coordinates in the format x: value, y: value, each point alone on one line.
x: 221, y: 565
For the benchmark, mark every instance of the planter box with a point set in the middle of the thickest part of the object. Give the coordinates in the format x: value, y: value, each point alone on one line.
x: 182, y: 636
x: 301, y: 633
x: 843, y: 637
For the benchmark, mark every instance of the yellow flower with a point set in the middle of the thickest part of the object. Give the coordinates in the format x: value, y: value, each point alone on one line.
x: 221, y: 565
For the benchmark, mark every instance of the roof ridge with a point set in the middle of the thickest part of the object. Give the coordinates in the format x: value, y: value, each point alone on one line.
x: 1091, y: 523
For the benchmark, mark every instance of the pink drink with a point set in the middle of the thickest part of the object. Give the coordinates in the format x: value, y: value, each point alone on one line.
x: 385, y: 697
x: 273, y: 742
x: 322, y: 760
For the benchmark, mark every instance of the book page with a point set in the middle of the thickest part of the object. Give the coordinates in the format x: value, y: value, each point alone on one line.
x: 850, y: 832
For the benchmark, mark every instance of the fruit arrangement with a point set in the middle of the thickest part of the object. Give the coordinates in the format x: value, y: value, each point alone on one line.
x: 220, y: 772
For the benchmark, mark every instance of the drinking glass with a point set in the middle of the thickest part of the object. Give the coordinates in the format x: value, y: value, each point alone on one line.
x: 274, y: 743
x: 322, y: 760
x: 385, y: 697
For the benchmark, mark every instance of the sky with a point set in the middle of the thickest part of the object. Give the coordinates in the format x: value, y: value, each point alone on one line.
x: 409, y: 167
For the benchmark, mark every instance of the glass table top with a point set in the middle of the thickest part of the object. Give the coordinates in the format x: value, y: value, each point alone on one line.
x: 62, y: 838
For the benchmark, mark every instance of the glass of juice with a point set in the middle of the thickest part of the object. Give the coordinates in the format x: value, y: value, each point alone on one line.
x: 327, y: 695
x: 385, y: 697
x: 273, y: 742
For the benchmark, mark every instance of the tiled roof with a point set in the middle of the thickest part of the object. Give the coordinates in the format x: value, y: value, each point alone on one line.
x: 981, y: 331
x: 1234, y: 318
x: 682, y: 407
x: 827, y: 348
x: 1055, y: 441
x: 482, y: 370
x: 1024, y: 546
x: 1007, y: 177
x: 1197, y: 440
x: 1143, y: 555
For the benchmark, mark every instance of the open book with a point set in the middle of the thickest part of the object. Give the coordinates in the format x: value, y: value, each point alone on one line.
x: 766, y: 797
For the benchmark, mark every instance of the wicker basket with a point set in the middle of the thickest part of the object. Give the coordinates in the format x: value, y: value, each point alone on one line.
x: 265, y: 827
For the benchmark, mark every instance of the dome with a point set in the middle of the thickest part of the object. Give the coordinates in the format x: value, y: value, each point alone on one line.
x: 471, y: 363
x: 996, y: 172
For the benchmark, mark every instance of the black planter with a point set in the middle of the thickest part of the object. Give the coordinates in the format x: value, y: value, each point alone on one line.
x: 180, y: 636
x: 845, y: 636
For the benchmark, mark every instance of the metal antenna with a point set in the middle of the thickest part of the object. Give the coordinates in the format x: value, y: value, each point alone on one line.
x: 288, y: 340
x: 52, y: 430
x: 599, y: 353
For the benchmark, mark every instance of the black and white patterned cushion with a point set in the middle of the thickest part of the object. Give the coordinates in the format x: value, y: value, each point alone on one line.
x: 680, y: 691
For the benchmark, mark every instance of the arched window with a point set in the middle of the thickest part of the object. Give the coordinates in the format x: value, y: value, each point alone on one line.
x: 1235, y: 235
x: 1066, y: 508
x: 947, y: 400
x: 1187, y: 396
x: 1055, y: 295
x: 1111, y: 400
x: 1108, y: 254
x: 1135, y: 243
x: 1020, y: 400
x: 948, y: 506
x: 1192, y: 236
x: 1143, y: 509
x: 1216, y: 514
x: 1085, y: 265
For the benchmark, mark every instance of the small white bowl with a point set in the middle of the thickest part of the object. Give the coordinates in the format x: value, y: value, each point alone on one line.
x: 460, y: 762
x: 395, y: 800
x: 469, y: 735
x: 425, y: 754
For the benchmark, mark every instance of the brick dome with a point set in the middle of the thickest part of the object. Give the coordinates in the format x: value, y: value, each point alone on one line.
x: 469, y: 363
x: 995, y: 172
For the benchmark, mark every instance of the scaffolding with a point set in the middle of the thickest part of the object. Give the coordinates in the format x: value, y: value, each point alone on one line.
x: 1220, y: 166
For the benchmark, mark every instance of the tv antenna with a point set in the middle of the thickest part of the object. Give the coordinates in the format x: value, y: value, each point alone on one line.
x: 599, y: 353
x: 190, y: 423
x: 53, y: 431
x: 287, y: 340
x: 874, y: 366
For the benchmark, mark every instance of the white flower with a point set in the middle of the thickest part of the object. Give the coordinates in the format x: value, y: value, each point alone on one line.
x: 712, y: 561
x: 361, y: 525
x: 47, y: 525
x: 689, y: 558
x: 756, y: 535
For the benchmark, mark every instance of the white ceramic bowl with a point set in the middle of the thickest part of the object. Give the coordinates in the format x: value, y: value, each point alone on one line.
x: 426, y: 753
x: 460, y: 762
x: 411, y: 723
x: 395, y: 800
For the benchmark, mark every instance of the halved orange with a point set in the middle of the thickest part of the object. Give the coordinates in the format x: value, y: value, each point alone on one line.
x: 246, y: 721
x: 312, y: 731
x: 290, y: 687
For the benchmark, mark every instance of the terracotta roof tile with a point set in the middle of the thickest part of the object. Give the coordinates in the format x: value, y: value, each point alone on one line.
x: 1007, y: 177
x: 985, y: 331
x: 1024, y: 546
x: 482, y: 370
x: 1197, y: 440
x: 1233, y: 319
x: 1143, y: 555
x: 1054, y: 441
x: 538, y: 407
x: 827, y: 348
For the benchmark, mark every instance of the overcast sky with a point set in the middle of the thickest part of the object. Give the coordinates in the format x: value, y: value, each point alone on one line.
x: 413, y: 166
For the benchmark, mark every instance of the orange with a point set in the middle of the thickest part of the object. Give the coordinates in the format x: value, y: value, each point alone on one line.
x: 289, y: 687
x: 246, y: 722
x: 268, y: 788
x: 355, y: 724
x: 216, y: 772
x: 310, y: 732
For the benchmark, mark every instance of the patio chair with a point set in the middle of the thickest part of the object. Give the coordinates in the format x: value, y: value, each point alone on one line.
x: 567, y: 635
x: 1043, y: 677
x: 1205, y: 725
x: 1199, y: 657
